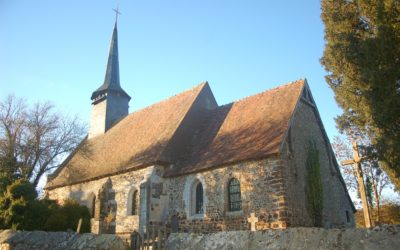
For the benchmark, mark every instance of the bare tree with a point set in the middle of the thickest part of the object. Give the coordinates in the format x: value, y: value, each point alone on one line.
x: 37, y: 137
x: 375, y: 178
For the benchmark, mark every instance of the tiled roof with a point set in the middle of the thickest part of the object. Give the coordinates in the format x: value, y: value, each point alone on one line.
x: 189, y: 131
x: 138, y: 139
x: 250, y: 128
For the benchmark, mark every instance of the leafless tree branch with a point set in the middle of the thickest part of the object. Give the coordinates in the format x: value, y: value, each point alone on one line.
x: 37, y: 137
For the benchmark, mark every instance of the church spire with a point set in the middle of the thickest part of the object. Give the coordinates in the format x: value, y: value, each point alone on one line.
x: 110, y: 102
x: 111, y: 79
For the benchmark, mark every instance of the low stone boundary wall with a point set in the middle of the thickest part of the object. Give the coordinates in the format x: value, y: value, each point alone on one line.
x: 292, y: 238
x: 22, y: 240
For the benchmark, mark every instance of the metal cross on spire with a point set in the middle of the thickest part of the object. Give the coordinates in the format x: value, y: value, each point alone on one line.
x: 116, y: 13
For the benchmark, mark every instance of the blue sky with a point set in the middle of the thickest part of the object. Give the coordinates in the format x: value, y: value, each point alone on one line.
x: 57, y: 50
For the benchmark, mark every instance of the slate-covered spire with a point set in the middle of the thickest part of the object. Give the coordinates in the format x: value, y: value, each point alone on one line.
x: 111, y: 80
x: 110, y: 103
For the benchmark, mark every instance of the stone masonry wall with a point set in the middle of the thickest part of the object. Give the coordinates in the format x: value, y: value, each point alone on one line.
x: 262, y: 193
x: 39, y: 240
x: 304, y: 127
x: 291, y: 238
x: 122, y: 186
x: 169, y: 200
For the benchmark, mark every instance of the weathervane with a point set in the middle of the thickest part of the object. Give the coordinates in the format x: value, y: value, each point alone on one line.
x: 116, y: 13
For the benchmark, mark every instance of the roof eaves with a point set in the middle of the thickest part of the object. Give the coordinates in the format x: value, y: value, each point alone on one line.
x: 65, y: 162
x: 221, y: 165
x: 134, y: 168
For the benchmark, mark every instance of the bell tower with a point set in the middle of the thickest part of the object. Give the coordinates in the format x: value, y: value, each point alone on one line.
x: 109, y: 102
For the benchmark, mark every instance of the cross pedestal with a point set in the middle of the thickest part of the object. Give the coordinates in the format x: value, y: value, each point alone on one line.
x: 252, y: 220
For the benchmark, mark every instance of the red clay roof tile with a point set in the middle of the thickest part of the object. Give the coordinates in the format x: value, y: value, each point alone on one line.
x: 250, y: 128
x: 136, y: 140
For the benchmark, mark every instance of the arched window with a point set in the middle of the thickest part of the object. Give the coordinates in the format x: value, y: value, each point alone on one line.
x: 199, y: 199
x: 235, y: 200
x: 135, y: 203
x: 93, y: 206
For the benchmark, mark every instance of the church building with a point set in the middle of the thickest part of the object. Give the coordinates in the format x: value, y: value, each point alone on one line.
x: 190, y: 162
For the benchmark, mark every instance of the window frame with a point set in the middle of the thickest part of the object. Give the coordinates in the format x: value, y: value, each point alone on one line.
x: 198, y: 199
x: 134, y: 203
x: 236, y: 204
x: 189, y: 199
x: 93, y: 208
x: 130, y: 209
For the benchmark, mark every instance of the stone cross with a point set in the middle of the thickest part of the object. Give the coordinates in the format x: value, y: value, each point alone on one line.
x: 252, y: 220
x: 361, y: 186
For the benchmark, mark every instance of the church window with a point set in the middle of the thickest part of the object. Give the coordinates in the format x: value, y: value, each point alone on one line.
x: 93, y: 206
x: 235, y: 200
x: 199, y: 199
x: 135, y: 203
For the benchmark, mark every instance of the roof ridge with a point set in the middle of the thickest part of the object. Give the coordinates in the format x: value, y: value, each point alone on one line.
x: 265, y: 91
x: 199, y: 86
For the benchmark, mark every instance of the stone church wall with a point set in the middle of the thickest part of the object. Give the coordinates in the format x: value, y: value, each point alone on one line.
x: 262, y: 193
x: 303, y: 129
x: 168, y: 200
x: 121, y: 187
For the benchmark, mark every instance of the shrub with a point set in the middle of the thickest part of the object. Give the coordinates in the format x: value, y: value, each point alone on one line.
x: 22, y: 189
x: 20, y: 210
x: 390, y: 214
x: 66, y: 217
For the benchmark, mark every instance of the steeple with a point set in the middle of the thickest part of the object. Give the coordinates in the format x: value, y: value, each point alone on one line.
x: 111, y: 79
x: 109, y: 102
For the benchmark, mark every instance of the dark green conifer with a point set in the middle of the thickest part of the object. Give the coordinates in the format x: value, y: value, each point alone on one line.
x: 362, y: 57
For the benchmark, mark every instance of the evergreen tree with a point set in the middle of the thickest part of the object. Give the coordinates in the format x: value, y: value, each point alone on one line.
x: 362, y: 56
